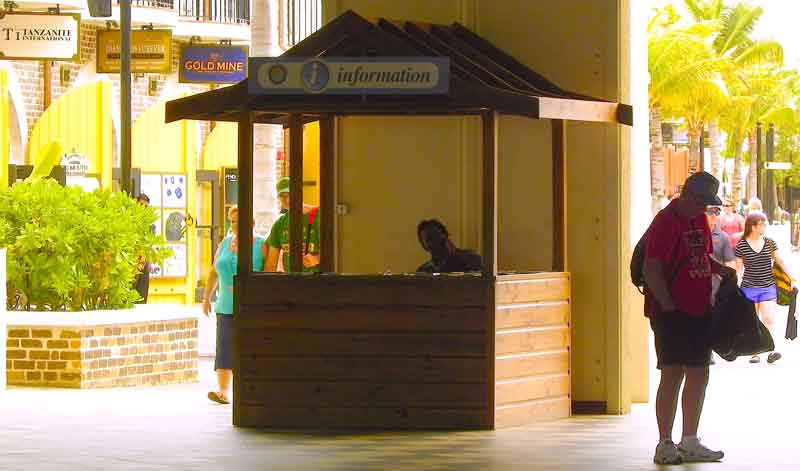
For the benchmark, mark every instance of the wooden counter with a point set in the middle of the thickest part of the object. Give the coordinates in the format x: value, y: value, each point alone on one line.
x: 400, y: 352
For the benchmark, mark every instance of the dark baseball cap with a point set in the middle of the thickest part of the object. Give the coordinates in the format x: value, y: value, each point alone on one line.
x: 704, y: 186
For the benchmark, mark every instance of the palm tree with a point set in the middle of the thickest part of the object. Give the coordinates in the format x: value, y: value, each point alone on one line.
x: 733, y: 44
x: 679, y: 59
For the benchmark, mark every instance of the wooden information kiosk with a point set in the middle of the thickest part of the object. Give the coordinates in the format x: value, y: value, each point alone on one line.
x: 339, y: 351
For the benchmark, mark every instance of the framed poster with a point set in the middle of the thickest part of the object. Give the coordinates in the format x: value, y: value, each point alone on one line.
x: 174, y: 225
x: 156, y: 270
x: 151, y: 186
x: 175, y: 266
x: 173, y: 194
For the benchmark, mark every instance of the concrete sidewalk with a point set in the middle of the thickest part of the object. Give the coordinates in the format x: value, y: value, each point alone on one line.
x: 751, y: 414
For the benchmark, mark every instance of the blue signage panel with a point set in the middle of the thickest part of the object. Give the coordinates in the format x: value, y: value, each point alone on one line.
x: 212, y: 64
x: 349, y: 76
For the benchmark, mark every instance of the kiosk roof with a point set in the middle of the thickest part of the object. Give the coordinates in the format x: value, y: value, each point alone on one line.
x: 482, y: 77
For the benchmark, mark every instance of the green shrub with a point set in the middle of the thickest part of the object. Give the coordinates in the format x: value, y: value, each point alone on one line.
x: 69, y: 250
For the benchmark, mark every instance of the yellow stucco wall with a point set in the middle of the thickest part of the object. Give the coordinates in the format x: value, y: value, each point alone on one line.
x: 4, y: 126
x: 79, y: 119
x: 395, y: 171
x: 169, y: 148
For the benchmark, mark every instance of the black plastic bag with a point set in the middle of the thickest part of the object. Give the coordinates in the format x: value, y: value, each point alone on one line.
x: 736, y: 329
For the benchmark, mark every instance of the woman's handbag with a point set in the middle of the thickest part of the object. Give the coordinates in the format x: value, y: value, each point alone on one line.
x: 783, y: 282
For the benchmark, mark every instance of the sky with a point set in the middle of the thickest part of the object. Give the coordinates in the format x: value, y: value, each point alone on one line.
x: 779, y: 22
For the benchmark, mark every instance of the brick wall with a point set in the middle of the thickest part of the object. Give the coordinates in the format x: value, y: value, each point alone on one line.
x: 148, y: 353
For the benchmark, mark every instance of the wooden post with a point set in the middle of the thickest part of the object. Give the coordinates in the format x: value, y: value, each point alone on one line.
x: 245, y: 257
x: 296, y: 219
x: 327, y: 193
x: 490, y: 121
x: 559, y: 195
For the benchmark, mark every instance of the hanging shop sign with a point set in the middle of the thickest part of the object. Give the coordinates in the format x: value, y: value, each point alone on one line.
x: 349, y: 76
x: 31, y: 36
x: 212, y: 64
x: 151, y: 51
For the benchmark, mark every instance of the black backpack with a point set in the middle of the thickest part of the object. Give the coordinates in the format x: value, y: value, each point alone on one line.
x: 637, y: 263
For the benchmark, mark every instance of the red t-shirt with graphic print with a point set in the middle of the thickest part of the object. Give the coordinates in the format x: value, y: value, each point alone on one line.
x: 685, y: 243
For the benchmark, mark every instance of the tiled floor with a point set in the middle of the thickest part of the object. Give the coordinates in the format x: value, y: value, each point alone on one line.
x: 752, y: 413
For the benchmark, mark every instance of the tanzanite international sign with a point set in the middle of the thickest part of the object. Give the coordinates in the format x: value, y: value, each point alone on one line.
x: 349, y: 76
x: 212, y: 64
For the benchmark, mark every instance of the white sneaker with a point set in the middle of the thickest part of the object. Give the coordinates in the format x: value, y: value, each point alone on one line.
x: 667, y: 453
x: 692, y: 451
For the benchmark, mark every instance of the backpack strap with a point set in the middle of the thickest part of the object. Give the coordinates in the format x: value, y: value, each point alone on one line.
x: 312, y: 215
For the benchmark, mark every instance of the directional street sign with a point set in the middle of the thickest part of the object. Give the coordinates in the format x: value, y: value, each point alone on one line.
x: 777, y: 165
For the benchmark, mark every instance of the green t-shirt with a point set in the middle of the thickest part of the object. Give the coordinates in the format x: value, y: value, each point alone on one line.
x: 279, y: 238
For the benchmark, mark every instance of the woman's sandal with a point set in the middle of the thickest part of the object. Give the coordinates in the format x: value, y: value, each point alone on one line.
x: 218, y: 397
x: 773, y: 357
x: 753, y: 359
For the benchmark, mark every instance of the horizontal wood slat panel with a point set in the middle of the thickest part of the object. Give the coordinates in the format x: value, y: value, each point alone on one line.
x: 350, y: 394
x: 531, y: 364
x: 387, y: 369
x: 364, y: 290
x: 286, y: 343
x: 532, y: 340
x: 390, y: 418
x: 514, y: 316
x: 531, y: 291
x: 374, y: 318
x: 526, y: 389
x: 529, y: 412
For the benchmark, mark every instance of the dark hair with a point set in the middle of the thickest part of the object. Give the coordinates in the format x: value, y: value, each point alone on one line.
x: 143, y: 197
x: 753, y: 218
x: 430, y: 222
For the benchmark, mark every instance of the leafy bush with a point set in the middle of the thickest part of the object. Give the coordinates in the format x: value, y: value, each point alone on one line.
x: 69, y: 250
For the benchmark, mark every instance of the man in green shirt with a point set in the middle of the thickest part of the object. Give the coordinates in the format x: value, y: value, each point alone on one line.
x: 278, y: 240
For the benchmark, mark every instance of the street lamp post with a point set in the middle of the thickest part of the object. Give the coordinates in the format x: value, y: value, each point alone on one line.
x: 125, y: 94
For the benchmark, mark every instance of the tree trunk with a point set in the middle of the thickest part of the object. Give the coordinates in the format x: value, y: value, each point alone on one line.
x: 752, y: 174
x: 657, y: 164
x: 736, y: 183
x: 694, y: 150
x: 715, y: 151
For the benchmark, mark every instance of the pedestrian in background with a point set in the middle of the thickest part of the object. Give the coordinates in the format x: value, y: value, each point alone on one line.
x: 755, y: 255
x: 221, y: 275
x: 142, y: 281
x: 731, y: 222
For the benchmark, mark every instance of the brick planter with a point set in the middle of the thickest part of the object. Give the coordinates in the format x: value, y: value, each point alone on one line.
x: 148, y: 345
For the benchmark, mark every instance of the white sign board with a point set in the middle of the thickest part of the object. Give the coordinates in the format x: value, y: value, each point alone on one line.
x: 777, y: 165
x: 174, y: 191
x: 349, y: 76
x: 151, y: 186
x: 175, y: 266
x: 40, y: 36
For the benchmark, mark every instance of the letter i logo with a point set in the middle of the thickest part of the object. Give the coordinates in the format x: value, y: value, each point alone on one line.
x: 315, y: 76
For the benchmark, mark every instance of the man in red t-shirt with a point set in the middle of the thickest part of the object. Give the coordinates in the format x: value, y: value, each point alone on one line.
x: 677, y: 270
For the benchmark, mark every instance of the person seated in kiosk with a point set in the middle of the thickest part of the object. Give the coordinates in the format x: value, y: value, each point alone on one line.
x: 445, y: 256
x: 278, y: 240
